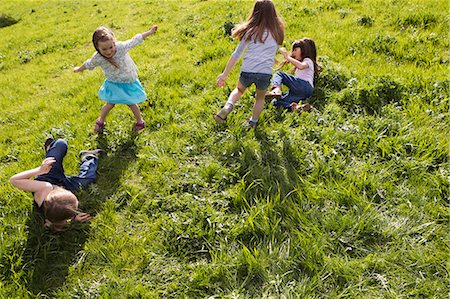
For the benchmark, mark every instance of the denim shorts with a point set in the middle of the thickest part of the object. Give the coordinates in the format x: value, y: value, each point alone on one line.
x: 262, y: 81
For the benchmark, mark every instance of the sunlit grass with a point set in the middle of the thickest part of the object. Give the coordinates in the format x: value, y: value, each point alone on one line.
x: 348, y: 201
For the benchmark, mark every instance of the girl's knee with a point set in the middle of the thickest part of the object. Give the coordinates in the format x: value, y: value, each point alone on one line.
x: 240, y: 90
x: 58, y: 149
x: 61, y: 143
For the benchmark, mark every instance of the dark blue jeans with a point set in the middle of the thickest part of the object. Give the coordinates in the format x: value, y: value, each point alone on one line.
x: 56, y: 176
x: 298, y: 89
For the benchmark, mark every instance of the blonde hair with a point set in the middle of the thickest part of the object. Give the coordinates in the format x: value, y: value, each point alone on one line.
x: 103, y: 34
x: 264, y: 17
x: 60, y: 205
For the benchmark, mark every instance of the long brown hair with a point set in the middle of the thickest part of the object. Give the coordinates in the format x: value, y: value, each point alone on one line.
x: 263, y: 17
x: 60, y: 205
x: 308, y: 50
x: 103, y: 34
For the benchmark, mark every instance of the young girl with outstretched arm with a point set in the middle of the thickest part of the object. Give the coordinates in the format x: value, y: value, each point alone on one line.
x: 122, y: 85
x: 303, y: 57
x: 53, y: 190
x: 261, y: 35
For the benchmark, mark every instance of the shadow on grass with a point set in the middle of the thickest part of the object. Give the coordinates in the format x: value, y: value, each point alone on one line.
x: 266, y: 170
x: 268, y: 176
x: 48, y: 256
x: 279, y: 167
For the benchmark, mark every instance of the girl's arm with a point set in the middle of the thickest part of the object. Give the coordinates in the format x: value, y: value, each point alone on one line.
x: 223, y: 77
x: 150, y: 31
x: 232, y: 61
x: 24, y: 182
x: 298, y: 64
x: 79, y: 68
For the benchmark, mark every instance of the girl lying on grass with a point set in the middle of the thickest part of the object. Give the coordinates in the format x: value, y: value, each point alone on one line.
x: 303, y: 57
x: 53, y: 190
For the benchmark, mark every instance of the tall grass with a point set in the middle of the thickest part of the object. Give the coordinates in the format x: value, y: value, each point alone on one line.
x: 348, y: 201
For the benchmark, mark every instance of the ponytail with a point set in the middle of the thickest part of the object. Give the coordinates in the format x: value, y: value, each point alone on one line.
x: 60, y: 206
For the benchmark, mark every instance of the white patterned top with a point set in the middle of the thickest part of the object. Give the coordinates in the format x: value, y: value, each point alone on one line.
x: 127, y: 70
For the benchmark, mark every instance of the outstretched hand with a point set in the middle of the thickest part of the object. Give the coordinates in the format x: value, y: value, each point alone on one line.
x: 220, y: 82
x: 46, y: 165
x: 285, y: 53
x: 153, y: 29
x: 80, y: 68
x: 82, y: 217
x: 150, y: 31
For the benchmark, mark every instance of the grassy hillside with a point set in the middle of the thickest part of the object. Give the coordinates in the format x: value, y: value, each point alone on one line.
x: 348, y: 201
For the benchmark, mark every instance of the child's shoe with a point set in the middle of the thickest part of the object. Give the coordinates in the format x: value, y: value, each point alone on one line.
x: 270, y: 95
x: 221, y: 117
x: 99, y: 126
x: 300, y: 108
x: 139, y: 126
x: 47, y: 143
x: 97, y: 153
x: 250, y: 124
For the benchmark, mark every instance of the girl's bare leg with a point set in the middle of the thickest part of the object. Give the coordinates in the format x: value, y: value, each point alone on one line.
x: 234, y: 96
x: 137, y: 112
x: 104, y: 111
x: 237, y: 93
x: 259, y: 104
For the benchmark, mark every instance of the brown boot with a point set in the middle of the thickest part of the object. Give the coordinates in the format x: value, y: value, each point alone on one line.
x: 97, y: 153
x: 301, y: 108
x: 222, y: 115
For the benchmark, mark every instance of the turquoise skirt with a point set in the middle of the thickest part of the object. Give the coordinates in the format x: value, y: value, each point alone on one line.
x: 122, y: 93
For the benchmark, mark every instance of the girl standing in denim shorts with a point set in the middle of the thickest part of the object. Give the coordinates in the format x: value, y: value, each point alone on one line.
x: 261, y: 35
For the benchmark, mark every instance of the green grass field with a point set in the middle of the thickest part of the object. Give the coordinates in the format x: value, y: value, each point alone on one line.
x: 350, y: 200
